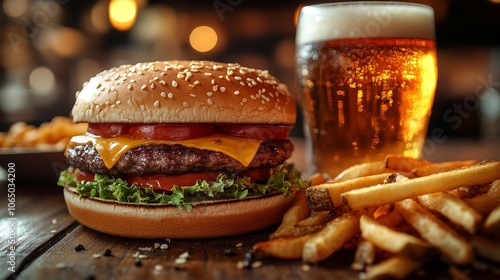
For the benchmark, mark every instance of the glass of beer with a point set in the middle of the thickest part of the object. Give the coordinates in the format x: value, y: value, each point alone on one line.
x: 367, y: 74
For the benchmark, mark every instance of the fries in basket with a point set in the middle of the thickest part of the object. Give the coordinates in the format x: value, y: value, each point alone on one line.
x: 399, y: 214
x: 54, y: 134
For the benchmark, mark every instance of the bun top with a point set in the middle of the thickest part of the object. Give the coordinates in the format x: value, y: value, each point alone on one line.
x: 184, y: 92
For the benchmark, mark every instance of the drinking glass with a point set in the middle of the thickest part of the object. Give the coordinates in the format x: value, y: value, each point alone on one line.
x: 367, y: 74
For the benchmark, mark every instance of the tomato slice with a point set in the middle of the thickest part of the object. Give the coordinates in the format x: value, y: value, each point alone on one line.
x: 171, y: 132
x: 108, y: 130
x: 162, y: 182
x: 257, y: 175
x: 84, y: 176
x: 187, y: 131
x: 254, y: 131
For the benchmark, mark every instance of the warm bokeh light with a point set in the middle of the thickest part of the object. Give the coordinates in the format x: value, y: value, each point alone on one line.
x: 98, y: 17
x: 42, y: 81
x: 67, y: 41
x: 203, y: 38
x: 15, y: 8
x: 284, y: 53
x: 122, y: 14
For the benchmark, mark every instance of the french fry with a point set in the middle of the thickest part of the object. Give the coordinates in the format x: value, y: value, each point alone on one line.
x: 311, y: 224
x: 402, y: 163
x: 316, y: 179
x: 486, y: 202
x: 364, y: 256
x: 396, y: 267
x: 289, y: 248
x: 486, y: 248
x: 331, y: 238
x: 361, y: 170
x: 433, y: 168
x: 296, y: 213
x: 394, y: 241
x: 453, y: 208
x: 481, y: 173
x: 492, y: 223
x: 436, y: 232
x: 327, y: 196
x: 391, y: 219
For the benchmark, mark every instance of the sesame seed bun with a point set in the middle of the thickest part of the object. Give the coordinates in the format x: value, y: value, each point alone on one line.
x: 205, y: 220
x: 184, y: 92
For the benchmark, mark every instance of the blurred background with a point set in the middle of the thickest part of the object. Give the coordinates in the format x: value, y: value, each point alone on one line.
x: 49, y: 48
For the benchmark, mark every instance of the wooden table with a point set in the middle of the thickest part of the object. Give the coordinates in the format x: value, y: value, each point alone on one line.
x: 43, y: 237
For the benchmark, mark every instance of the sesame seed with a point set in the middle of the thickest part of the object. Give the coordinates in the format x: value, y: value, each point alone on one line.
x: 129, y: 87
x: 118, y: 102
x: 181, y: 76
x: 174, y: 83
x: 212, y: 81
x: 236, y: 92
x: 163, y: 94
x: 185, y: 104
x: 170, y: 95
x: 244, y: 99
x: 242, y: 83
x: 132, y: 80
x: 113, y: 88
x: 196, y: 82
x: 207, y: 74
x: 157, y: 103
x: 210, y: 101
x: 155, y: 79
x: 238, y: 78
x: 142, y: 107
x: 162, y: 82
x: 260, y: 108
x: 152, y: 85
x: 143, y: 87
x: 192, y: 95
x: 209, y: 93
x: 215, y: 87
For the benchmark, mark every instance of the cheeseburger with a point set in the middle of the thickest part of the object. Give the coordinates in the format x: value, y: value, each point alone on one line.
x: 181, y: 149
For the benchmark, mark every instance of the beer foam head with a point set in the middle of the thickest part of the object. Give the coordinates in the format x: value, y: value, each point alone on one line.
x: 364, y: 20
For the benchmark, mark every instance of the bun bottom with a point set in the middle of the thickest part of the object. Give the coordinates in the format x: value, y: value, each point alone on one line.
x: 205, y: 220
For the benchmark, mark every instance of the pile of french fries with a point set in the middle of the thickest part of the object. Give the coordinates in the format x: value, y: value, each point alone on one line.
x: 397, y: 215
x: 54, y: 134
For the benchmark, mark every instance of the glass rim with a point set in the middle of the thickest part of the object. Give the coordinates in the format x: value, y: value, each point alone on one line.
x: 367, y: 3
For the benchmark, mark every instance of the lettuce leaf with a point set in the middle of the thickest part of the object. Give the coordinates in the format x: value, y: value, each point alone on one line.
x: 285, y: 180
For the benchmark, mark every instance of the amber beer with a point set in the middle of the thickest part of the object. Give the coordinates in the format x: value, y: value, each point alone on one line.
x: 365, y: 96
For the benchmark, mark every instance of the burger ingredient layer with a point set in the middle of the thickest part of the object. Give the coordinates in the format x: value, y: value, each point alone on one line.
x: 177, y: 159
x: 284, y: 180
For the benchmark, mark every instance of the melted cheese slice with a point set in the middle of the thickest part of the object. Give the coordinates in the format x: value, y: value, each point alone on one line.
x: 112, y: 149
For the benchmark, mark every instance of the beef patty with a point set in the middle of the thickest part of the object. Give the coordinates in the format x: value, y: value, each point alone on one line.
x: 177, y: 159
